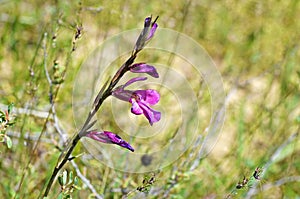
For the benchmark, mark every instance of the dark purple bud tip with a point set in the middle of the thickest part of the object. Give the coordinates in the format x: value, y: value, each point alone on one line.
x: 109, y: 138
x: 126, y: 145
x: 147, y: 22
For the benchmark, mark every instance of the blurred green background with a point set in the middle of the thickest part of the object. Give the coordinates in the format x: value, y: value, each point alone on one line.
x: 255, y: 45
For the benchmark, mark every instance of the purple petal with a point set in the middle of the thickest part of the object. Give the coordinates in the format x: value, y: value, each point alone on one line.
x: 134, y: 80
x: 125, y: 95
x: 149, y: 96
x: 152, y: 31
x: 135, y: 109
x: 122, y: 94
x: 151, y: 115
x: 99, y: 136
x: 109, y: 138
x: 144, y: 68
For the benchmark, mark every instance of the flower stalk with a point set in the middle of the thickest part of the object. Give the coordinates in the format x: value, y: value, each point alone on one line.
x: 106, y: 91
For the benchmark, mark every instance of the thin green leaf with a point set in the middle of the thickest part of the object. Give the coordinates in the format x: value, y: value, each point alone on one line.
x: 75, y: 180
x: 60, y: 180
x: 70, y: 176
x: 8, y: 142
x: 10, y: 107
x: 64, y: 177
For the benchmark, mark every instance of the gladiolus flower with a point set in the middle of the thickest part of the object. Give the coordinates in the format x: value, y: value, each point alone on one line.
x: 140, y: 100
x: 109, y: 138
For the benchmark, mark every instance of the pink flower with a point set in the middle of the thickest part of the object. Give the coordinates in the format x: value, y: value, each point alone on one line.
x: 140, y: 100
x: 109, y: 138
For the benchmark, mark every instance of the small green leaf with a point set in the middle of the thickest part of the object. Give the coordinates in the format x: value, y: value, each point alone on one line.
x: 10, y: 107
x: 70, y: 176
x: 60, y: 180
x: 8, y: 142
x: 64, y: 177
x: 60, y: 196
x: 75, y: 180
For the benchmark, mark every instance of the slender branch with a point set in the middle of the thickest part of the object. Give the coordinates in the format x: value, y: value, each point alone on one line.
x: 86, y: 181
x: 252, y: 191
x: 28, y: 136
x: 45, y: 59
x: 277, y: 183
x: 27, y: 111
